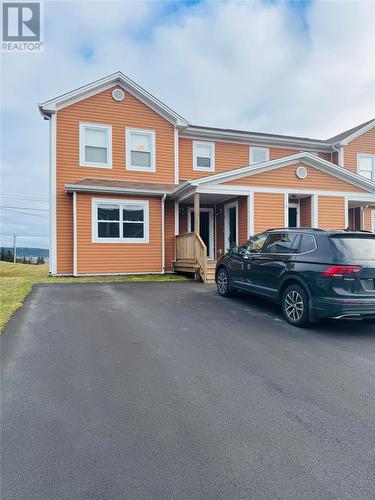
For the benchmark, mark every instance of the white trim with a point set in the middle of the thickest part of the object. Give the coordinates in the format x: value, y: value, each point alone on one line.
x: 362, y: 218
x: 298, y: 207
x: 315, y: 210
x: 121, y: 202
x: 366, y: 155
x: 340, y: 156
x: 176, y: 218
x: 359, y: 132
x: 251, y: 154
x: 75, y: 236
x: 69, y: 188
x: 250, y: 214
x: 82, y: 131
x: 211, y: 145
x: 286, y: 209
x: 373, y: 221
x: 119, y: 79
x: 210, y: 226
x: 151, y: 134
x: 307, y: 158
x: 52, y: 198
x: 176, y: 157
x: 162, y: 233
x: 227, y: 207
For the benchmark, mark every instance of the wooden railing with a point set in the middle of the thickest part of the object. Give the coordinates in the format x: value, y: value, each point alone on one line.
x: 190, y: 247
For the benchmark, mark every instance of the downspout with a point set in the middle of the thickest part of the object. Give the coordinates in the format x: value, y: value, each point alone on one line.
x: 162, y: 233
x: 338, y: 151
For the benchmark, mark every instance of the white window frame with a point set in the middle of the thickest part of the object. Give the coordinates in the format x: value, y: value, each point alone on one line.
x: 122, y: 203
x: 251, y: 151
x: 98, y: 126
x: 211, y: 145
x: 366, y: 155
x: 227, y: 207
x: 128, y: 165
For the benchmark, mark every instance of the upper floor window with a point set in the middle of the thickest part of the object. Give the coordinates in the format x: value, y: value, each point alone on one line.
x: 204, y: 156
x: 259, y: 155
x: 366, y: 166
x: 140, y: 150
x: 123, y: 221
x: 95, y: 145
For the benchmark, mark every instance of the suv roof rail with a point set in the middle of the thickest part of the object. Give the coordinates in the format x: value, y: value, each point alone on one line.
x: 317, y: 229
x: 356, y: 230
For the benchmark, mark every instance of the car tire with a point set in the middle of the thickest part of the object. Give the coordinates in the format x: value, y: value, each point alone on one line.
x: 223, y: 283
x: 295, y: 305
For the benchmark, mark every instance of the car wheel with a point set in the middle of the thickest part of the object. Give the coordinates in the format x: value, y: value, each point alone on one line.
x: 223, y: 283
x: 295, y: 305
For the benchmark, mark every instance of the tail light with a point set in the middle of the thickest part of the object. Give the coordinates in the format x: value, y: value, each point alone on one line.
x: 337, y: 271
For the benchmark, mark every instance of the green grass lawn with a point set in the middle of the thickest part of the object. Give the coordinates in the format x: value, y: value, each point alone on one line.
x: 16, y: 281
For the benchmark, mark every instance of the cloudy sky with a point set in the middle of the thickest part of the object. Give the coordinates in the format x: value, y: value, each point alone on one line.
x: 303, y: 68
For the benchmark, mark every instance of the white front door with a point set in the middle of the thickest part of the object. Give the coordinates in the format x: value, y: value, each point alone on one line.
x: 230, y: 225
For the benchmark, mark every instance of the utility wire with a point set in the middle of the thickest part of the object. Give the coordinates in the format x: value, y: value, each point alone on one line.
x: 25, y: 213
x: 25, y: 208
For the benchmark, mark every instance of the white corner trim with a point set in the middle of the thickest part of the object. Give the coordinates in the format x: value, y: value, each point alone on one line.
x: 286, y: 210
x: 250, y: 214
x: 176, y: 157
x: 152, y: 134
x: 75, y: 236
x: 52, y: 197
x: 82, y: 130
x: 373, y: 221
x: 341, y: 159
x: 346, y: 212
x: 162, y: 233
x: 211, y: 145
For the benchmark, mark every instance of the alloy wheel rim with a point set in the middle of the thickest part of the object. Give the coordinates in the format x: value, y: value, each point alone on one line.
x: 294, y: 305
x: 222, y: 282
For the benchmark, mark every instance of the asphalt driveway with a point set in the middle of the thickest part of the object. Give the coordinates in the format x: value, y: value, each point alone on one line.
x: 166, y: 390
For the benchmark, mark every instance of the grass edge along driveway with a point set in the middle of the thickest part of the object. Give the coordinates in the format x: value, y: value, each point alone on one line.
x: 16, y: 281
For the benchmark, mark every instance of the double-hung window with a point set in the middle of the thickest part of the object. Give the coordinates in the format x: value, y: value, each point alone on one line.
x: 95, y: 145
x: 258, y: 155
x: 204, y: 156
x: 140, y: 150
x: 366, y: 165
x: 120, y: 221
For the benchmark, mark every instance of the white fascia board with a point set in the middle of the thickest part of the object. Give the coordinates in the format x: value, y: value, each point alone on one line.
x: 356, y: 134
x: 244, y: 137
x: 307, y: 158
x: 127, y: 84
x: 71, y: 188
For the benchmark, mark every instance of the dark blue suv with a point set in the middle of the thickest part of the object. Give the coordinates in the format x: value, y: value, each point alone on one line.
x: 312, y: 273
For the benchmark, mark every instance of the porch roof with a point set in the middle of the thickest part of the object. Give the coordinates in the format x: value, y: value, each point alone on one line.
x: 114, y: 186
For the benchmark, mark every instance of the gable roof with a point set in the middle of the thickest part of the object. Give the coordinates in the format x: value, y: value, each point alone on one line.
x: 308, y: 158
x: 51, y: 106
x: 352, y: 133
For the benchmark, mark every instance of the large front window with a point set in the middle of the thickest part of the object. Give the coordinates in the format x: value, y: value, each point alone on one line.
x: 116, y: 222
x: 366, y: 166
x: 140, y: 150
x: 95, y: 145
x: 204, y: 156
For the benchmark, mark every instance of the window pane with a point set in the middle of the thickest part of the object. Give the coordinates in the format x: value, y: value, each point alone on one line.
x: 95, y: 154
x: 134, y: 213
x: 254, y: 245
x: 140, y: 142
x: 280, y: 243
x: 133, y: 230
x: 108, y: 229
x: 108, y: 212
x: 258, y: 155
x: 95, y: 137
x: 203, y: 162
x: 307, y: 244
x: 365, y: 163
x: 203, y: 150
x: 140, y: 159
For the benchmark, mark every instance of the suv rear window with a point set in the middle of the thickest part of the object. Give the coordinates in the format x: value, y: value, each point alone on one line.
x: 354, y: 247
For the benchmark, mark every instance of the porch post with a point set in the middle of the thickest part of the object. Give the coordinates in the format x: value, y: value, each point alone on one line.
x: 196, y: 214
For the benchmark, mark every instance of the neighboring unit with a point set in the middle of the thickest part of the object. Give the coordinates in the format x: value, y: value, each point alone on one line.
x: 136, y: 188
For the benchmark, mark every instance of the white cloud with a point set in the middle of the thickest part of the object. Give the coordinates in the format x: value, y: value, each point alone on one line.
x: 259, y: 66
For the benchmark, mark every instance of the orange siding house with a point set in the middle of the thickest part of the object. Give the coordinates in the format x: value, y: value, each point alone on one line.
x: 136, y: 188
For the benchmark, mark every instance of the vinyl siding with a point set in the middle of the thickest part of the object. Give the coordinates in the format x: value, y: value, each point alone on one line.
x: 117, y: 257
x: 268, y: 211
x: 331, y: 212
x: 102, y: 109
x: 365, y: 143
x: 169, y: 233
x: 367, y: 218
x: 286, y: 177
x: 305, y: 212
